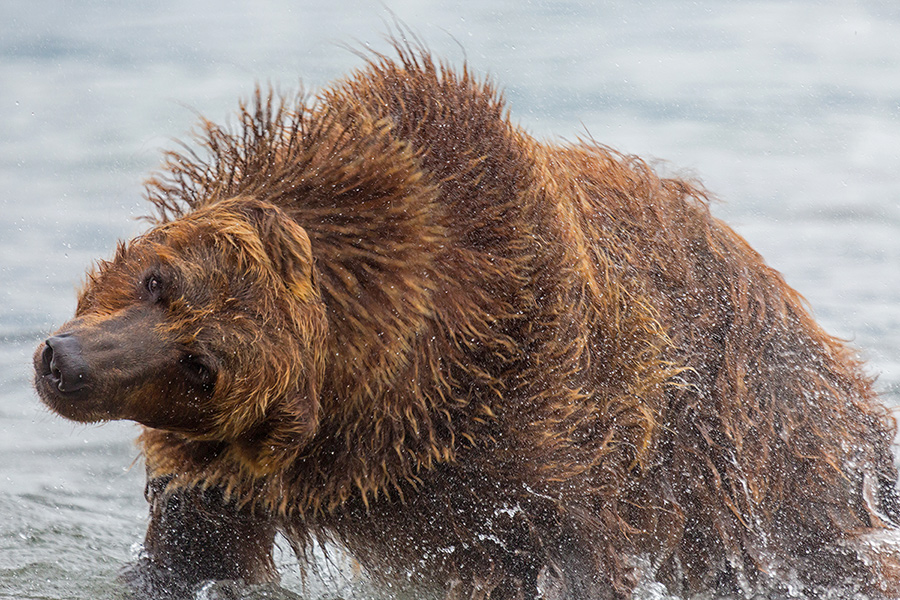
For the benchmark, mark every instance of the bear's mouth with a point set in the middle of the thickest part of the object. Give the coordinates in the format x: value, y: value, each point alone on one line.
x: 60, y: 379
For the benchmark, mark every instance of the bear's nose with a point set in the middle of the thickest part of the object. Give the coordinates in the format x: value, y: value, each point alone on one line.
x: 64, y: 362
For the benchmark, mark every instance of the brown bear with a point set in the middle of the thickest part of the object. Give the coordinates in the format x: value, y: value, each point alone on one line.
x: 486, y: 365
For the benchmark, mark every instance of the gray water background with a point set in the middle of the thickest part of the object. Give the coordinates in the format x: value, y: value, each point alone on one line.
x: 789, y: 112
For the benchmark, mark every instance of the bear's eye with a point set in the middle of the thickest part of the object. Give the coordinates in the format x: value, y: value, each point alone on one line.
x: 153, y: 285
x: 198, y: 372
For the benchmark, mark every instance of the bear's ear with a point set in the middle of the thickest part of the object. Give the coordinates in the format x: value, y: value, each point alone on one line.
x: 285, y: 244
x: 290, y: 251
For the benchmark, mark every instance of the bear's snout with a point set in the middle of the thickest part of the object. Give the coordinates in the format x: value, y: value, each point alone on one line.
x: 63, y: 363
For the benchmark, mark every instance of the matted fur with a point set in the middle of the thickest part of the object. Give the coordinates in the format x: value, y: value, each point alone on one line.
x: 537, y: 362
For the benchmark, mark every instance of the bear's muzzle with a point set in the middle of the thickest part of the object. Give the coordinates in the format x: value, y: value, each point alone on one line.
x: 62, y: 363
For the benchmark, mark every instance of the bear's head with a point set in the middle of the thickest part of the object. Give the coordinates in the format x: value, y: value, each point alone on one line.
x: 211, y: 325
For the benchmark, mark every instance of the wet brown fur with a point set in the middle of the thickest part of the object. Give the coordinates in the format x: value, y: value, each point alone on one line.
x: 491, y: 361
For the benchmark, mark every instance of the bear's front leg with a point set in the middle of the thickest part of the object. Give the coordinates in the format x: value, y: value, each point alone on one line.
x: 196, y: 536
